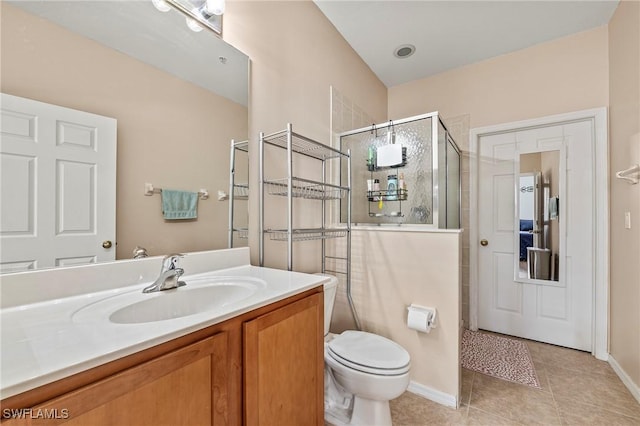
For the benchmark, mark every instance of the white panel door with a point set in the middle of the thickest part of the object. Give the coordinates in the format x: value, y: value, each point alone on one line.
x: 57, y: 187
x: 557, y: 312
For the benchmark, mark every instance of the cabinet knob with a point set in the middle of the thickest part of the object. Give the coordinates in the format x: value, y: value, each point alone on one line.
x: 484, y: 242
x: 107, y: 244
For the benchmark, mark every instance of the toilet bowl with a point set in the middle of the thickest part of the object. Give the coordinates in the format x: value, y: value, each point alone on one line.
x: 372, y: 368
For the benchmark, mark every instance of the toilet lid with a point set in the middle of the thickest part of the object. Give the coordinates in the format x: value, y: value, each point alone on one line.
x: 369, y: 353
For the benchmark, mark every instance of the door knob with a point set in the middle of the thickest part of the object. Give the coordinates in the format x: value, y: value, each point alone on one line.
x: 107, y: 244
x: 484, y: 242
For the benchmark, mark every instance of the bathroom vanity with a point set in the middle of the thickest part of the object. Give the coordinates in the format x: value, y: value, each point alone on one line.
x: 256, y: 361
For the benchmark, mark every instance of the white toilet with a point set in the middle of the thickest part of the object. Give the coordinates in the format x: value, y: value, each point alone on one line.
x: 372, y: 368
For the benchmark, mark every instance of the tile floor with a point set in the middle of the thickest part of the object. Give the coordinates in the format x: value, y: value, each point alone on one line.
x: 577, y: 389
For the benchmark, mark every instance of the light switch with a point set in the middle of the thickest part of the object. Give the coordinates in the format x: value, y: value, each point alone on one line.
x: 627, y: 220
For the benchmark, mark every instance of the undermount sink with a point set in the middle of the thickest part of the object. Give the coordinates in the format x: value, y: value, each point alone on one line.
x: 198, y: 296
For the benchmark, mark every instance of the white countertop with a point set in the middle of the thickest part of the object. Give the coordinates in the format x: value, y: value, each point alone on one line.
x: 43, y: 342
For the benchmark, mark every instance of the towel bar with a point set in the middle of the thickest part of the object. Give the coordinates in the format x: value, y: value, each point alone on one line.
x: 625, y: 174
x: 150, y: 190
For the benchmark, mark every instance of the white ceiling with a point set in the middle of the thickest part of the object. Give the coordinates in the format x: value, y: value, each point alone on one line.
x: 450, y: 34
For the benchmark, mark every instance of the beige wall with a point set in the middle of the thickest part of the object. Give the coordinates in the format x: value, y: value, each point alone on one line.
x: 393, y: 269
x: 530, y: 163
x: 624, y: 150
x: 171, y: 133
x: 296, y: 56
x: 567, y: 74
x: 562, y: 75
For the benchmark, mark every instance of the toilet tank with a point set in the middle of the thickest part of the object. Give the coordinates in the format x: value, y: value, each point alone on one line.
x: 330, y: 288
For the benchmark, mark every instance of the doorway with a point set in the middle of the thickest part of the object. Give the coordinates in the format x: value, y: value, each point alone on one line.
x: 58, y: 193
x: 572, y: 309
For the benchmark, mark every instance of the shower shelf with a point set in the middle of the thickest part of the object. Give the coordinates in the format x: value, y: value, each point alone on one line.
x: 305, y: 188
x: 392, y: 214
x: 386, y: 195
x: 306, y: 234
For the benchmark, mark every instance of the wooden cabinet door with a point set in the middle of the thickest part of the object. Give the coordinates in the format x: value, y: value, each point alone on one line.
x: 284, y: 365
x: 184, y: 387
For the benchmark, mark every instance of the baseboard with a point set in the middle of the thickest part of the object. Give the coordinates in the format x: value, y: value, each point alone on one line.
x: 433, y: 394
x: 633, y: 388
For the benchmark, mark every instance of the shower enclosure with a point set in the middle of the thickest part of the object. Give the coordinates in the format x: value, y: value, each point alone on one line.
x: 403, y: 172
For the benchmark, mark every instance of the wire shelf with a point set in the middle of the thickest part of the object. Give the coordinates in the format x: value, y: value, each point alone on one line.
x: 241, y: 146
x: 303, y: 188
x: 241, y: 190
x: 306, y: 234
x: 242, y: 233
x: 303, y: 145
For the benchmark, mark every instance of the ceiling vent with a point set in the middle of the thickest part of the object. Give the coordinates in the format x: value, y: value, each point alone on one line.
x: 404, y: 51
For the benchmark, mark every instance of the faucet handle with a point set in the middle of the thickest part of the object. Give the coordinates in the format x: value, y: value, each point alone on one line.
x: 179, y: 272
x: 139, y: 252
x: 170, y: 261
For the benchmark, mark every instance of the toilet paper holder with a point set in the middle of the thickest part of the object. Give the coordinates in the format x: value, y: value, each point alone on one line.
x: 422, y: 312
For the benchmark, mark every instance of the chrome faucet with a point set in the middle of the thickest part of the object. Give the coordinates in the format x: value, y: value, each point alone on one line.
x: 169, y: 275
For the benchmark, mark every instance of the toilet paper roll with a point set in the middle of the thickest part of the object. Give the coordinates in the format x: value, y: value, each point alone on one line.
x: 419, y: 319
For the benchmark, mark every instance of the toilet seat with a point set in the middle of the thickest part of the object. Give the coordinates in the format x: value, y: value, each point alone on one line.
x: 369, y: 353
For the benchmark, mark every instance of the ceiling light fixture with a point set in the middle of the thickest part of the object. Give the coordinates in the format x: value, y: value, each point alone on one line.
x: 404, y: 51
x: 194, y: 25
x: 215, y: 7
x: 161, y: 5
x: 200, y: 14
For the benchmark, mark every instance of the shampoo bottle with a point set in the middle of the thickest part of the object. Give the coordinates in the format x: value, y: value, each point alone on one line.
x: 392, y: 187
x: 371, y: 158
